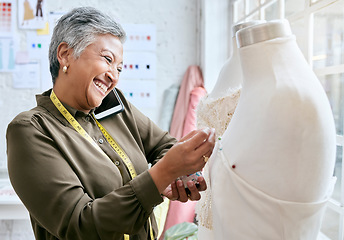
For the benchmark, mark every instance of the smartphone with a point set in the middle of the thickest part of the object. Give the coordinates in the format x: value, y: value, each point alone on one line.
x: 110, y: 105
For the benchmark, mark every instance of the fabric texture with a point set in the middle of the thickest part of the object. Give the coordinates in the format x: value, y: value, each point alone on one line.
x: 72, y: 190
x: 271, y: 174
x: 190, y: 122
x: 168, y: 103
x: 213, y: 113
x: 192, y: 79
x: 253, y: 214
x: 184, y: 121
x: 217, y: 112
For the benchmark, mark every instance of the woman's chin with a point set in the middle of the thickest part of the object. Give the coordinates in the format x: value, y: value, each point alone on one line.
x: 95, y: 102
x: 97, y: 98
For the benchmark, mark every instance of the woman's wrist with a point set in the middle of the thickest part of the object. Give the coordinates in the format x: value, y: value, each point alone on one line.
x: 162, y: 174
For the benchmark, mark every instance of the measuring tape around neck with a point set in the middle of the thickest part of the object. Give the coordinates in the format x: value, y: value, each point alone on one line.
x: 118, y: 150
x: 73, y: 121
x: 109, y: 138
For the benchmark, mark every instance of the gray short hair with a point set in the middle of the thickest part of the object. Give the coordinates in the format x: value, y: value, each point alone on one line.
x: 79, y: 28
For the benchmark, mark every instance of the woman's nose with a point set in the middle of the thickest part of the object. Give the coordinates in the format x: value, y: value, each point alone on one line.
x: 112, y: 76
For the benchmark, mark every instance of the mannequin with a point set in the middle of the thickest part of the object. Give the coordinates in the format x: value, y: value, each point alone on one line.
x: 271, y: 172
x: 231, y: 67
x: 216, y: 111
x: 222, y: 100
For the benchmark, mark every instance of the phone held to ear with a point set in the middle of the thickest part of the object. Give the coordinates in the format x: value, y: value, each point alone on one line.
x: 110, y: 105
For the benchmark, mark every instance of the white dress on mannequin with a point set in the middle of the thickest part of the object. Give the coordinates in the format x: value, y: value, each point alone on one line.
x: 230, y: 78
x: 216, y: 110
x: 271, y: 174
x: 215, y: 113
x: 244, y: 212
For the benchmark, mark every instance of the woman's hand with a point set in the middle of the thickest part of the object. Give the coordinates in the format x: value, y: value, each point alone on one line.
x: 176, y: 190
x: 186, y: 157
x: 188, y: 154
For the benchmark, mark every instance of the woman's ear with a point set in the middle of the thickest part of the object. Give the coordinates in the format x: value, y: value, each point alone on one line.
x: 64, y: 53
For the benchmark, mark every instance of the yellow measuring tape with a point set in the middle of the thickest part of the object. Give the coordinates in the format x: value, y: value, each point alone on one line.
x: 118, y: 150
x: 72, y: 120
x: 109, y: 138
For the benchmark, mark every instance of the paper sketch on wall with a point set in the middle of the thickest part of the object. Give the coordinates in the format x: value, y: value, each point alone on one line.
x: 27, y: 75
x: 7, y: 17
x: 140, y: 37
x: 141, y: 93
x: 31, y: 14
x: 7, y: 54
x: 139, y: 65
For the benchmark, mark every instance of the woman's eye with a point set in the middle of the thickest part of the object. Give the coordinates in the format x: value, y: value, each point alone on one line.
x: 108, y: 59
x: 119, y: 70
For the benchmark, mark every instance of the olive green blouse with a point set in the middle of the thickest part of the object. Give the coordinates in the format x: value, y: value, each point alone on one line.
x: 72, y: 190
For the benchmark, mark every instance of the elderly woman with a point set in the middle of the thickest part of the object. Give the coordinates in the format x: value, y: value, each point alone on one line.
x: 81, y: 178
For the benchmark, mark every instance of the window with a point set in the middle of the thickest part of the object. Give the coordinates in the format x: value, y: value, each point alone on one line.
x: 319, y: 29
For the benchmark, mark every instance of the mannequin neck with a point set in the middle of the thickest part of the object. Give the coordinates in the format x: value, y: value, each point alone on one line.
x: 230, y: 76
x: 263, y: 32
x: 266, y: 62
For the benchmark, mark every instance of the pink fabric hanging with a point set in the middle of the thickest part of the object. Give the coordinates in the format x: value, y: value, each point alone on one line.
x: 190, y: 119
x: 184, y: 121
x: 192, y: 79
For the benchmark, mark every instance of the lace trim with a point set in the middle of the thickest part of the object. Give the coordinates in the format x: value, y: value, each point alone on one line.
x: 203, y: 207
x: 217, y: 113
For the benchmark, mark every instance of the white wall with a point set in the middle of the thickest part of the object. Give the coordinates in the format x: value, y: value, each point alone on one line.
x: 177, y: 47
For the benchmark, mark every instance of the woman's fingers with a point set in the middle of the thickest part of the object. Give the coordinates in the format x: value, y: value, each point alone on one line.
x: 189, y: 135
x: 174, y: 191
x: 206, y: 149
x: 197, y: 139
x: 183, y: 197
x: 193, y: 190
x: 202, y: 184
x: 194, y: 193
x: 187, y: 157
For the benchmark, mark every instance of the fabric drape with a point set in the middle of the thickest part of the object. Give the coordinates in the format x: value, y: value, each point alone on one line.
x: 192, y: 80
x: 184, y: 121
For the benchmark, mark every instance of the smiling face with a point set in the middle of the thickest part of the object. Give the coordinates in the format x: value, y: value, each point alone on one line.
x: 93, y: 75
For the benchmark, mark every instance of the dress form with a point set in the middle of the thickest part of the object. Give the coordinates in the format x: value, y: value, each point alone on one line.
x: 217, y: 108
x: 283, y: 118
x: 230, y: 76
x: 271, y: 172
x: 216, y: 111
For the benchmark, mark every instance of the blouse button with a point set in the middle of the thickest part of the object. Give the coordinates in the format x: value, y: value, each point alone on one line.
x: 100, y: 140
x: 117, y: 163
x: 87, y: 118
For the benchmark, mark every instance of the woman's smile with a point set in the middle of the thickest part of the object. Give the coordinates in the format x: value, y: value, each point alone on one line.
x: 101, y: 86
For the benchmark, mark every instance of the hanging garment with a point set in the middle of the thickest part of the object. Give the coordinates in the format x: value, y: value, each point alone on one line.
x: 184, y: 121
x: 192, y: 79
x: 168, y: 103
x: 190, y: 123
